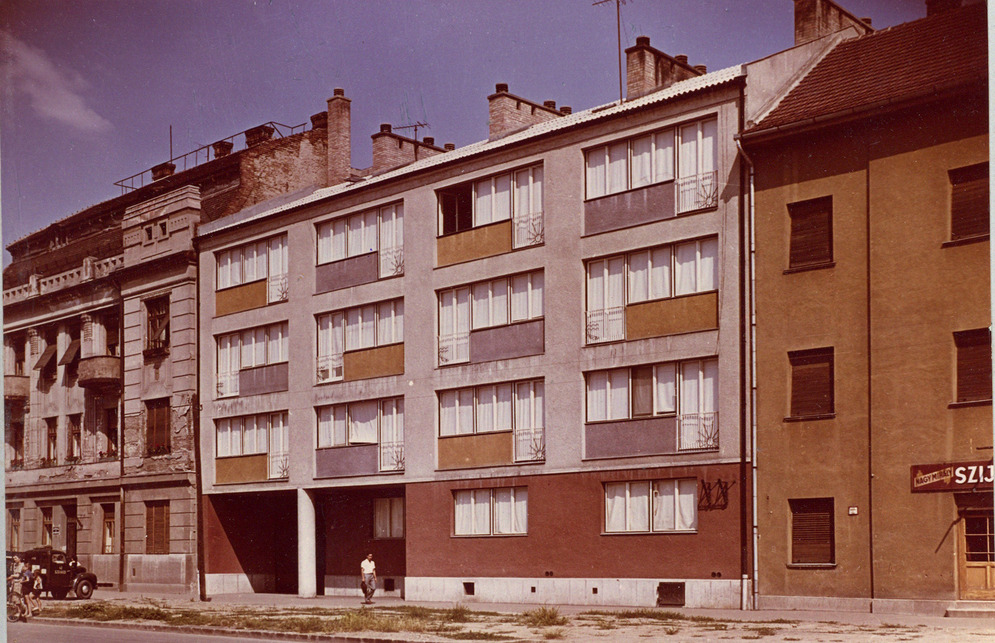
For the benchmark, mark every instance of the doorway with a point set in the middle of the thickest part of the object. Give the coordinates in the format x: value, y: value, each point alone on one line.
x: 976, y: 554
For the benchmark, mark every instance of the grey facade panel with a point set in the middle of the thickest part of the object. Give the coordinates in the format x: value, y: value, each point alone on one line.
x: 346, y: 461
x: 617, y: 211
x: 506, y: 342
x: 264, y: 379
x: 649, y: 436
x: 346, y: 273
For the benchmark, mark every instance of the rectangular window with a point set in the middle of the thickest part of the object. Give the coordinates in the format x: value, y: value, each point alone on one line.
x: 249, y: 348
x: 251, y: 434
x: 157, y: 426
x: 157, y: 527
x: 657, y: 273
x: 14, y: 532
x: 157, y: 324
x: 369, y: 326
x: 15, y: 438
x: 365, y: 422
x: 812, y: 538
x: 651, y: 506
x: 110, y: 433
x: 46, y: 526
x: 487, y: 512
x: 388, y: 518
x: 52, y: 441
x: 74, y: 435
x: 969, y: 202
x: 380, y: 230
x: 493, y: 407
x: 974, y: 365
x: 812, y: 382
x: 682, y: 388
x: 261, y: 260
x: 515, y: 196
x: 811, y: 233
x: 107, y: 530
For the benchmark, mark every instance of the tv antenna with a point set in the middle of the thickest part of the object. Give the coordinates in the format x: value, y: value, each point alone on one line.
x: 618, y: 30
x: 414, y: 126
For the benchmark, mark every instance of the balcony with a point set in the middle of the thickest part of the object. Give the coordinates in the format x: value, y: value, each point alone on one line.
x: 100, y: 371
x: 528, y: 229
x: 16, y: 387
x: 697, y: 192
x: 698, y: 432
x: 606, y: 325
x: 530, y: 445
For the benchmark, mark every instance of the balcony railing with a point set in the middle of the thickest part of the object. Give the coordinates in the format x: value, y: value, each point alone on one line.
x: 697, y: 192
x: 277, y: 288
x: 606, y: 325
x: 227, y: 384
x: 279, y: 466
x: 528, y: 229
x: 392, y: 456
x: 454, y: 349
x: 391, y: 261
x: 698, y: 432
x: 530, y: 445
x: 330, y: 368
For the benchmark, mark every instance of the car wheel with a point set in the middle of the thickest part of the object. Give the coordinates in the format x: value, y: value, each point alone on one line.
x: 84, y: 589
x: 59, y: 594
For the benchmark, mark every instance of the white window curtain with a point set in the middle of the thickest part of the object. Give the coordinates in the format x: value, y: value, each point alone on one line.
x: 615, y: 497
x: 456, y: 412
x: 536, y: 195
x: 615, y: 293
x: 618, y: 401
x: 524, y: 191
x: 707, y: 275
x: 391, y: 226
x: 249, y: 431
x: 709, y: 385
x: 360, y: 329
x: 224, y: 270
x: 454, y: 324
x: 397, y: 517
x: 709, y: 140
x: 340, y: 425
x: 596, y: 173
x: 447, y: 413
x: 381, y: 518
x: 664, y: 505
x: 484, y: 191
x: 642, y: 161
x: 688, y: 155
x: 278, y: 257
x: 340, y: 238
x: 659, y: 278
x: 663, y: 156
x: 390, y: 322
x: 665, y: 383
x: 529, y: 405
x: 331, y: 342
x: 639, y: 272
x: 596, y: 285
x: 502, y: 407
x: 392, y: 421
x: 224, y: 438
x: 464, y: 416
x: 597, y: 396
x: 486, y: 402
x: 278, y: 433
x: 686, y: 268
x: 278, y: 343
x: 369, y: 232
x: 690, y: 388
x: 618, y: 163
x: 324, y: 242
x: 249, y: 262
x: 326, y: 427
x: 502, y: 198
x: 464, y: 513
x: 687, y: 505
x: 235, y: 267
x: 482, y: 511
x: 363, y: 422
x: 511, y: 510
x: 639, y: 506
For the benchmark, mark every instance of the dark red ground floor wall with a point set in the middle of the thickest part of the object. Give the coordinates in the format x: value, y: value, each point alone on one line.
x: 565, y: 531
x: 348, y: 519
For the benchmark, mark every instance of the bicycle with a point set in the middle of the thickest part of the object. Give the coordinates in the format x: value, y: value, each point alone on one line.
x: 17, y: 607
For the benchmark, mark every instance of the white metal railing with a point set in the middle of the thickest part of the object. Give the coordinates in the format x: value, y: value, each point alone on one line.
x: 697, y: 191
x: 227, y: 384
x: 330, y: 367
x: 530, y: 444
x: 528, y: 229
x: 391, y: 261
x: 698, y: 431
x: 277, y: 288
x: 392, y: 456
x: 606, y: 324
x: 279, y: 465
x: 454, y: 349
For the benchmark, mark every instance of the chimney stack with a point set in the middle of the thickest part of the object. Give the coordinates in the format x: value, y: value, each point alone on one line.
x: 163, y: 170
x: 258, y: 134
x: 338, y: 121
x: 817, y: 18
x: 222, y: 148
x: 648, y: 69
x: 429, y: 140
x: 449, y: 147
x: 509, y: 113
x: 701, y: 69
x: 566, y: 109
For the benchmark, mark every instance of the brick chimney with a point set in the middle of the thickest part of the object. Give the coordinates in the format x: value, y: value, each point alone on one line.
x: 163, y: 170
x: 648, y: 69
x: 222, y: 148
x: 258, y: 134
x: 392, y: 150
x: 817, y: 18
x: 339, y: 123
x: 939, y: 6
x: 509, y: 113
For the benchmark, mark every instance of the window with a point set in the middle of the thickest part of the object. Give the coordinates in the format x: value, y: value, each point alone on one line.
x: 509, y: 406
x: 14, y: 532
x: 358, y: 422
x: 157, y: 527
x: 812, y: 541
x: 73, y: 448
x: 388, y: 518
x: 249, y: 348
x: 267, y: 259
x: 657, y: 273
x: 157, y: 324
x: 657, y: 506
x: 16, y: 346
x: 15, y: 438
x: 70, y: 358
x: 812, y: 383
x: 974, y: 365
x: 652, y: 158
x: 487, y: 512
x: 46, y: 364
x: 157, y: 426
x: 515, y: 196
x: 497, y: 302
x: 811, y: 233
x: 356, y: 328
x: 969, y: 201
x: 46, y: 526
x: 250, y: 434
x: 107, y: 530
x: 380, y: 230
x: 110, y: 433
x: 52, y: 441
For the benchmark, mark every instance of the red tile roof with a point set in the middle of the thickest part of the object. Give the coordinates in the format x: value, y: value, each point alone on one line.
x: 904, y: 61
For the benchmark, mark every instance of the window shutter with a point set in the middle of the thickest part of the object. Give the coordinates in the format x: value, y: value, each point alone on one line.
x: 642, y: 391
x: 974, y: 365
x: 812, y: 531
x: 164, y: 529
x: 811, y: 232
x: 969, y: 201
x: 812, y: 382
x: 150, y: 529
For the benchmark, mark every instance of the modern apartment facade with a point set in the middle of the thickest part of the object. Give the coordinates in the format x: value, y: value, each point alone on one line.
x: 873, y: 349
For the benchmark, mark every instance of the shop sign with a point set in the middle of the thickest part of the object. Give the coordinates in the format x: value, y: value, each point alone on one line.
x: 953, y: 476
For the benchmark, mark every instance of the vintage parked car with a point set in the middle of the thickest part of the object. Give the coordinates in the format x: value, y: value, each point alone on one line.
x: 58, y: 576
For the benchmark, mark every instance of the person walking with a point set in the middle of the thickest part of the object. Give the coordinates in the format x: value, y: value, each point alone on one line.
x: 368, y: 578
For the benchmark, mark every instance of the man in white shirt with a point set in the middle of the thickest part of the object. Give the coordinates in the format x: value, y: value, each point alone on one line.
x: 368, y: 576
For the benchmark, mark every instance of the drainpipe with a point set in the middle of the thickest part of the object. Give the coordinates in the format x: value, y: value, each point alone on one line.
x: 744, y: 345
x: 751, y: 262
x: 122, y: 572
x: 195, y: 410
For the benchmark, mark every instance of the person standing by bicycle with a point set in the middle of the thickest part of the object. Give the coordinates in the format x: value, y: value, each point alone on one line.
x: 15, y: 584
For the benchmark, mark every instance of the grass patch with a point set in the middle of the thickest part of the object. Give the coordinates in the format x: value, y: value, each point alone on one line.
x: 476, y: 636
x: 764, y: 631
x: 653, y: 615
x: 670, y: 631
x: 554, y: 633
x: 458, y: 613
x: 543, y: 617
x: 102, y: 611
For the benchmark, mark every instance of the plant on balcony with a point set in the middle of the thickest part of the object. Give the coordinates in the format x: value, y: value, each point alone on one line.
x: 16, y: 465
x: 49, y: 462
x: 110, y: 454
x: 72, y: 459
x: 158, y: 449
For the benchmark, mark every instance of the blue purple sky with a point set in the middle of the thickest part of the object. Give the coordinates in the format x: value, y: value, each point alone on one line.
x: 89, y: 88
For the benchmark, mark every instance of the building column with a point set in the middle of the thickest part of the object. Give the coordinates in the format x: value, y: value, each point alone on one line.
x: 307, y: 582
x: 8, y: 355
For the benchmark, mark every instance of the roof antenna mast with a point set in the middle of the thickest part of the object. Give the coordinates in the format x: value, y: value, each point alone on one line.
x: 618, y: 29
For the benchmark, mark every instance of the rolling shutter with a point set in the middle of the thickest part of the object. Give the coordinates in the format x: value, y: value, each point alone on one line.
x: 811, y: 232
x: 812, y: 531
x: 812, y: 382
x: 974, y: 365
x: 969, y: 201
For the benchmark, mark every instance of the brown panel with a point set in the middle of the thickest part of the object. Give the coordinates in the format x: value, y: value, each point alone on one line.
x: 969, y: 201
x: 246, y: 468
x: 244, y: 297
x: 812, y: 382
x: 373, y: 362
x: 811, y: 232
x: 485, y: 241
x: 974, y: 365
x: 481, y: 450
x: 684, y: 314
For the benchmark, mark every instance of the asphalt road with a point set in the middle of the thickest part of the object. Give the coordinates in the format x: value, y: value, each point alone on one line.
x: 37, y: 632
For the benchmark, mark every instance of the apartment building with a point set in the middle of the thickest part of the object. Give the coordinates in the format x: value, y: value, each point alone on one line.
x: 873, y: 349
x: 100, y: 359
x: 511, y: 371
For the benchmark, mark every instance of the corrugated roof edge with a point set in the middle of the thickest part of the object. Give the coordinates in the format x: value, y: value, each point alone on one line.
x: 682, y: 88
